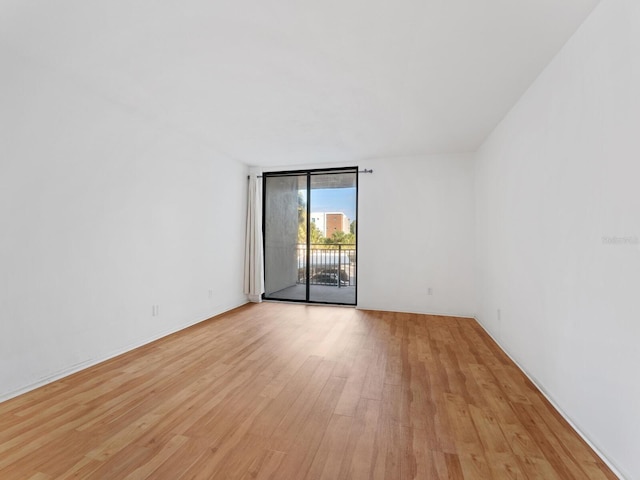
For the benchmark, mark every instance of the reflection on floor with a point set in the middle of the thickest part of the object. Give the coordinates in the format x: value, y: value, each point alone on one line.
x: 318, y: 293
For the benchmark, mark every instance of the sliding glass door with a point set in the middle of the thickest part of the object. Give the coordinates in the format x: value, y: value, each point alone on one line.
x: 310, y: 228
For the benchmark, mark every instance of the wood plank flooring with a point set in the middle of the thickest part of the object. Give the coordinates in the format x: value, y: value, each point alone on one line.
x: 278, y: 391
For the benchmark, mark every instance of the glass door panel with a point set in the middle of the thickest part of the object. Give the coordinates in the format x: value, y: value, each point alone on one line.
x: 285, y: 213
x: 332, y: 250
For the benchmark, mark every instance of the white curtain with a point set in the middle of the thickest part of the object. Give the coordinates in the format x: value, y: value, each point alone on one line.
x: 253, y: 264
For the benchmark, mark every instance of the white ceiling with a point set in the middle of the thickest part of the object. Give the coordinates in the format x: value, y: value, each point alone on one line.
x: 277, y: 82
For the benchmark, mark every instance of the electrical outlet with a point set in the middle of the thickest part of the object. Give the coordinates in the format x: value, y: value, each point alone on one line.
x: 429, y: 291
x: 210, y: 294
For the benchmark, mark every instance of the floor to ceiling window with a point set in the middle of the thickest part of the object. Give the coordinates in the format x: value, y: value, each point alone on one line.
x: 310, y: 235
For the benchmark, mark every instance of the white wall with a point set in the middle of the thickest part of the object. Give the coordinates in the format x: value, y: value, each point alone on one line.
x: 104, y: 213
x: 561, y: 172
x: 415, y: 232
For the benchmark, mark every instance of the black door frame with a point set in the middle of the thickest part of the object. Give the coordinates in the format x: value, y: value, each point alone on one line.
x: 309, y: 173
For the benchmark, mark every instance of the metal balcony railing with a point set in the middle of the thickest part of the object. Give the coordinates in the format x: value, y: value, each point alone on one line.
x: 328, y: 264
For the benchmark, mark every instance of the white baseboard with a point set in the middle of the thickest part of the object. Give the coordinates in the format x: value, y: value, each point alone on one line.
x: 95, y: 361
x: 553, y: 403
x: 435, y: 313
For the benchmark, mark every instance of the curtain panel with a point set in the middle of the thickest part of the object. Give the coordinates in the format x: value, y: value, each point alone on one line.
x: 253, y: 261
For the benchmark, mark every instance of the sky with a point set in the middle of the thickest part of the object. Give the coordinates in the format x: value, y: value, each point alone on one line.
x: 334, y: 200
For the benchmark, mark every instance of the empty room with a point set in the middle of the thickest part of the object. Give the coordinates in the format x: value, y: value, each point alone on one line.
x: 332, y: 240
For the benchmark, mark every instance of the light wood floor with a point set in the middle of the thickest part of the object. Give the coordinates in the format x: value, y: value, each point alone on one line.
x: 293, y: 392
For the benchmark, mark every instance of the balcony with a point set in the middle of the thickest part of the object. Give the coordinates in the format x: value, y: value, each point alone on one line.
x: 332, y: 271
x: 329, y: 265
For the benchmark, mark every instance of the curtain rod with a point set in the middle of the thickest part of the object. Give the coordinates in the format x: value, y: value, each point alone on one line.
x: 320, y: 173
